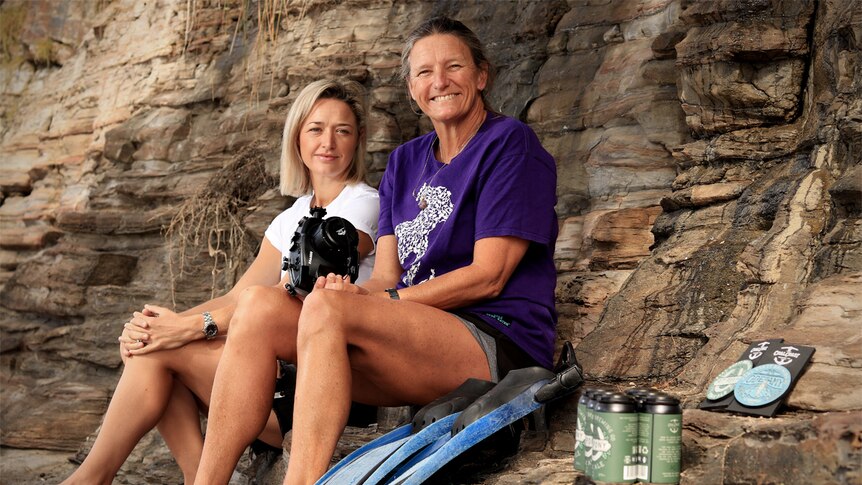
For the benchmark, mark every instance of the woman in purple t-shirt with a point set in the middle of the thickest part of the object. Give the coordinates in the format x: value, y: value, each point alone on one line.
x: 463, y: 283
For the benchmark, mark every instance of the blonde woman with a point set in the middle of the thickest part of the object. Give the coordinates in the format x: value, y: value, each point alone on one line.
x: 171, y: 358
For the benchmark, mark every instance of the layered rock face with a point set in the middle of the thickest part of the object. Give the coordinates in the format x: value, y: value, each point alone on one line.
x: 709, y: 194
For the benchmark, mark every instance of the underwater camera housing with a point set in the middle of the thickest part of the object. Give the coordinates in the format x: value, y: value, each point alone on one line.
x: 319, y: 247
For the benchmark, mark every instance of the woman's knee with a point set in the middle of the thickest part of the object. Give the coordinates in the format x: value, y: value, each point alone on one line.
x: 163, y: 359
x: 322, y: 311
x: 260, y: 309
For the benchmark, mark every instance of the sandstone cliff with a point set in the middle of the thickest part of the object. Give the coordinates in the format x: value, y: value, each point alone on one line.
x: 710, y: 194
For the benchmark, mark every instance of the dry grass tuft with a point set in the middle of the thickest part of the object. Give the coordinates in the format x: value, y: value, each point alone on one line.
x: 11, y: 23
x: 212, y: 218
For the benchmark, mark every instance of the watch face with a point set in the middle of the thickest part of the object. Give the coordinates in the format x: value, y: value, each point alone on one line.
x: 211, y: 330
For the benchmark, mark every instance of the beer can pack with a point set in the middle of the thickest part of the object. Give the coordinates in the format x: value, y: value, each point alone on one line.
x: 628, y: 437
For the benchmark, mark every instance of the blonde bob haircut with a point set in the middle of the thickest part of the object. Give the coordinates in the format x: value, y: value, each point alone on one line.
x: 295, y: 179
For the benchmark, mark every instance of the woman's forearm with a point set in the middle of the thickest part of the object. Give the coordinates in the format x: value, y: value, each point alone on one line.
x: 456, y: 289
x: 211, y: 305
x: 376, y: 285
x: 494, y: 261
x: 221, y: 308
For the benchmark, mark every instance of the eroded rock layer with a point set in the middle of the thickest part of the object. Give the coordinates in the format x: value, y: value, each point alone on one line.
x: 709, y: 194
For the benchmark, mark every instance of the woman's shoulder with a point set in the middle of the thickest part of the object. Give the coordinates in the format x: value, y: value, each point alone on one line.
x: 503, y: 121
x: 514, y: 140
x: 510, y: 128
x: 360, y: 190
x: 355, y: 199
x: 358, y: 203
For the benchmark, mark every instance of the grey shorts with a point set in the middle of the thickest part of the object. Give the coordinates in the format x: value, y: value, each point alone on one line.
x: 488, y: 344
x: 502, y: 353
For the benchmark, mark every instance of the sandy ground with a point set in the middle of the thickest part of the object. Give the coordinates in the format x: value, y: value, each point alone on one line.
x: 25, y: 467
x: 30, y: 467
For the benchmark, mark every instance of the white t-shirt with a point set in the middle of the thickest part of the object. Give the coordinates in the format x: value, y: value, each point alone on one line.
x: 358, y: 203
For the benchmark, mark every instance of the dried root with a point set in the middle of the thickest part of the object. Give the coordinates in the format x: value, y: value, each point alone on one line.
x: 212, y: 218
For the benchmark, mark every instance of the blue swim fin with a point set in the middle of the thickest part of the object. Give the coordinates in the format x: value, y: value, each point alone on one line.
x: 357, y: 470
x: 413, y: 446
x: 428, y: 424
x: 438, y: 434
x: 396, y: 435
x: 509, y: 401
x: 519, y: 394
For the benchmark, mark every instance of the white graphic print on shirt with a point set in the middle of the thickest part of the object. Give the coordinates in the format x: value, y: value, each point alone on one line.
x: 412, y: 235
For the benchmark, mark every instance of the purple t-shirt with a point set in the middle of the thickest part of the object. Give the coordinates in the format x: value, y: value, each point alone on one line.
x: 502, y: 184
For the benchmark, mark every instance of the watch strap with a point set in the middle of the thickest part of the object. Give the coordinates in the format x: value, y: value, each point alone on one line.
x: 210, y: 329
x: 393, y: 293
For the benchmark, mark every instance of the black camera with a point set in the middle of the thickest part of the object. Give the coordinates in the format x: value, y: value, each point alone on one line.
x: 319, y: 247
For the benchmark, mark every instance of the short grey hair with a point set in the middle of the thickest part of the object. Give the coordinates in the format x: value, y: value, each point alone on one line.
x: 446, y: 25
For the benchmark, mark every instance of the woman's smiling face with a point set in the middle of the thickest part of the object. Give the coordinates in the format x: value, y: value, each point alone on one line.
x: 444, y: 80
x: 328, y: 138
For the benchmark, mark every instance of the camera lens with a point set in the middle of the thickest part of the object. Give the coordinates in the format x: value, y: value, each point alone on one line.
x: 333, y: 234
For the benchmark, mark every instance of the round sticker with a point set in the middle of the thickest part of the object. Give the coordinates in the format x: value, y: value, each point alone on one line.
x: 762, y: 385
x: 723, y: 384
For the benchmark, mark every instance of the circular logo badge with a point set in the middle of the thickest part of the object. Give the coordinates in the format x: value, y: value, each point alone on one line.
x: 723, y: 384
x: 762, y: 385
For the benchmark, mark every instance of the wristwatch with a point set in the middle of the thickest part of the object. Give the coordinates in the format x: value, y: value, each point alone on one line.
x: 393, y: 293
x: 210, y: 329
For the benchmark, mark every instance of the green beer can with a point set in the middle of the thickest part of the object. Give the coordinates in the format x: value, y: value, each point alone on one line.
x: 660, y: 439
x: 592, y: 400
x: 641, y: 394
x: 615, y: 439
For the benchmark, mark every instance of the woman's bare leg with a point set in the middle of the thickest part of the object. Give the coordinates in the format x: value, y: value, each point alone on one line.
x: 322, y: 410
x: 163, y: 388
x: 180, y: 427
x: 148, y: 386
x: 137, y: 405
x: 376, y: 351
x: 181, y: 430
x: 264, y: 320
